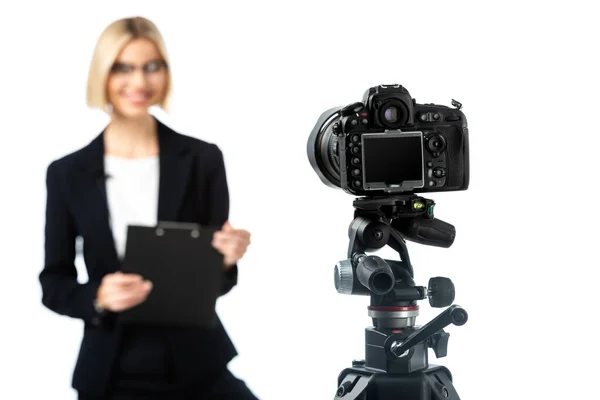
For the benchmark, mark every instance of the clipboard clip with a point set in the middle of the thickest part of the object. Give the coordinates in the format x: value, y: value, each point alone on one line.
x: 194, y: 228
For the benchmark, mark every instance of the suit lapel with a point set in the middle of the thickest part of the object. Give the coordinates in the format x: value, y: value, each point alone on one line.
x: 175, y: 167
x: 89, y: 190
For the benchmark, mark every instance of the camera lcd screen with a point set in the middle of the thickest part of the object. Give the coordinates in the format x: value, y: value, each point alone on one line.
x: 393, y: 160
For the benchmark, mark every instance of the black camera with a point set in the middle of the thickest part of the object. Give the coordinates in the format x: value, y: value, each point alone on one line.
x: 389, y: 144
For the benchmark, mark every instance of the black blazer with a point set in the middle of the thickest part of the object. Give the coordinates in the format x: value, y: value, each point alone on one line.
x: 192, y: 188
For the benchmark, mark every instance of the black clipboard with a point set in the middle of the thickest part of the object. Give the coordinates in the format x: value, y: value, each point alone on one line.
x: 185, y: 269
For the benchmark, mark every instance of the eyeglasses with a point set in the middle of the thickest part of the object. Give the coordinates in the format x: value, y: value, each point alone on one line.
x: 150, y: 68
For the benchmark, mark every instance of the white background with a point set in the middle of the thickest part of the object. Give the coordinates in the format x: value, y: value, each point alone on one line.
x: 254, y: 77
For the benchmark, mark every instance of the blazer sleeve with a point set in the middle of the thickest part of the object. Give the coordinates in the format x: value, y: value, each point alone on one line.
x: 218, y: 201
x: 61, y: 292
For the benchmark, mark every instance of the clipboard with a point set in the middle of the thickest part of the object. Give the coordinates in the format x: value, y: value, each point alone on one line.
x: 185, y: 269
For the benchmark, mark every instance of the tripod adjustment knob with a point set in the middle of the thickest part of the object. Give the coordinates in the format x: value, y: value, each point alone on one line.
x: 441, y: 292
x: 439, y: 343
x: 395, y: 349
x: 344, y: 389
x: 344, y: 277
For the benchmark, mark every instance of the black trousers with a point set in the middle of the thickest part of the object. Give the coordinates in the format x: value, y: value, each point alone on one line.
x: 225, y: 387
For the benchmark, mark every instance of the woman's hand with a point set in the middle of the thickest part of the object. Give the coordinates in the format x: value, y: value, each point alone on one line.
x: 119, y: 291
x: 232, y: 243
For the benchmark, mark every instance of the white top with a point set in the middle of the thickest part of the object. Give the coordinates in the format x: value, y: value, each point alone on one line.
x: 132, y: 194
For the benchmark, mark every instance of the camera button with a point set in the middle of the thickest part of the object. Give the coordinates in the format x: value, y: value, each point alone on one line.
x: 452, y: 118
x: 431, y: 183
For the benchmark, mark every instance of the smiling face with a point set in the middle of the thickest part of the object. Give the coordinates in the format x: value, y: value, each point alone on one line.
x: 137, y: 80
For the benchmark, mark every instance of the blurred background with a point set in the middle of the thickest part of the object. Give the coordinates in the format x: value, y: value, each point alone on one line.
x: 253, y: 77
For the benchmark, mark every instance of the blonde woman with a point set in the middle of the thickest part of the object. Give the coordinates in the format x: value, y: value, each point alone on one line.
x: 136, y: 171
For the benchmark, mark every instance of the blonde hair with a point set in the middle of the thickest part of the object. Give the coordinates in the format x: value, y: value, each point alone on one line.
x: 110, y: 43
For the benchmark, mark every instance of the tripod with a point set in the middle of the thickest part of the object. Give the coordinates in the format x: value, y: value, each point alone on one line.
x: 396, y: 351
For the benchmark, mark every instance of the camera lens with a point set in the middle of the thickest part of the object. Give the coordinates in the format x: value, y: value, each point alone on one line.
x: 323, y: 148
x: 391, y: 114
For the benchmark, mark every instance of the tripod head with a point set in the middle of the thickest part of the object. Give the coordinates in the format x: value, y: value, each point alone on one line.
x: 394, y: 344
x: 389, y: 221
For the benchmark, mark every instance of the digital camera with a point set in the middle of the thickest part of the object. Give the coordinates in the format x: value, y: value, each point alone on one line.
x: 389, y: 144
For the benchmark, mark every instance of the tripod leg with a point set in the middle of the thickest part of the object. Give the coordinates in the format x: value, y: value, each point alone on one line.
x: 441, y: 385
x: 353, y: 387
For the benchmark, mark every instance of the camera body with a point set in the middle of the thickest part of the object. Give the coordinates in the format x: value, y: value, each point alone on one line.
x: 390, y: 144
